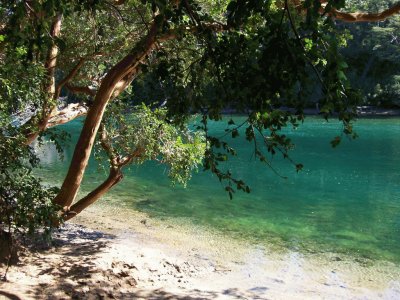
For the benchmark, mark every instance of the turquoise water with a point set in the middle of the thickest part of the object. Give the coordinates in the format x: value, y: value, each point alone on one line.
x: 346, y: 200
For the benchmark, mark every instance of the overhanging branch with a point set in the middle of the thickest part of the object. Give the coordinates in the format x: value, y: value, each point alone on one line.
x: 365, y: 17
x: 71, y: 112
x: 351, y: 17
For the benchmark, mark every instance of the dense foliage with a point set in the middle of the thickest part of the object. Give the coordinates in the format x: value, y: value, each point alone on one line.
x: 24, y: 203
x: 150, y: 136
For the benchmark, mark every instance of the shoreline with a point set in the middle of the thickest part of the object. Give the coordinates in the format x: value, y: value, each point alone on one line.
x: 106, y: 254
x: 363, y: 112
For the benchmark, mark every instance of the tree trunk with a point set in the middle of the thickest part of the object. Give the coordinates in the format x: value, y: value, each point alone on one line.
x: 122, y: 72
x: 50, y: 87
x: 114, y: 177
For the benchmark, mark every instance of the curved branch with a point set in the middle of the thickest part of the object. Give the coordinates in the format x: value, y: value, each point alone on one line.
x: 350, y: 16
x: 113, y: 178
x: 67, y: 78
x: 129, y: 158
x: 73, y: 72
x: 115, y: 159
x: 71, y: 112
x: 365, y: 17
x: 107, y: 146
x: 129, y: 65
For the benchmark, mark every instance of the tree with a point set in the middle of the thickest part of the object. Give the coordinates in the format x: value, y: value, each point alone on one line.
x: 196, y: 56
x: 373, y: 56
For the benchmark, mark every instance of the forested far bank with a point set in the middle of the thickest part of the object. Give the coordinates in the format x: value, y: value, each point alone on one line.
x: 373, y: 55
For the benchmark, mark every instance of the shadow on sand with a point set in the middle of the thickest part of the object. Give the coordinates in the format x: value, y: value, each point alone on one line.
x: 68, y: 270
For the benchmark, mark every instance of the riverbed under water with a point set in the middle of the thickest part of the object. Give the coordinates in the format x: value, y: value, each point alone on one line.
x: 346, y: 199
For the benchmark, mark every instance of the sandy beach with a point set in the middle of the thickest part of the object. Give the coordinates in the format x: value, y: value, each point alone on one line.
x: 106, y: 254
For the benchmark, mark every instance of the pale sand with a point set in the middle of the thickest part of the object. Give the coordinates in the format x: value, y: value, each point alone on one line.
x: 126, y: 255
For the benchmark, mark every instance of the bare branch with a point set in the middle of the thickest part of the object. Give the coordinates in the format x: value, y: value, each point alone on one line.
x: 350, y: 16
x: 71, y: 112
x: 365, y: 17
x: 129, y: 158
x: 113, y: 178
x: 107, y: 146
x: 74, y: 71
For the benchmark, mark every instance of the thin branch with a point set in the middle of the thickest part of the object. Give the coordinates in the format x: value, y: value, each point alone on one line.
x: 71, y: 112
x: 292, y: 25
x: 141, y: 17
x: 129, y: 158
x: 74, y: 71
x: 265, y: 160
x: 107, y: 146
x: 236, y: 128
x: 123, y: 20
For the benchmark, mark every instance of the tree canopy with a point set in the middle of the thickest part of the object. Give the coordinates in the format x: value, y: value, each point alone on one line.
x: 138, y: 70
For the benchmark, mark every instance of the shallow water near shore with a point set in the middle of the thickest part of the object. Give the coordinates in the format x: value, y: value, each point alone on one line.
x: 345, y: 201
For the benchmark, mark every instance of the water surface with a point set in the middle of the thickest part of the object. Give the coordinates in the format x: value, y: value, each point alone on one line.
x: 346, y: 200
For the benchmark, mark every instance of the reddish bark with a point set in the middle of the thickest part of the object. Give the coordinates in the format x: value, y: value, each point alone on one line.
x: 366, y: 17
x: 114, y: 177
x: 124, y: 71
x: 35, y: 126
x: 72, y: 111
x: 116, y: 80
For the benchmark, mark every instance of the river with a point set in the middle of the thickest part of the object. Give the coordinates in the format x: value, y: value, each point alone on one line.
x: 346, y: 199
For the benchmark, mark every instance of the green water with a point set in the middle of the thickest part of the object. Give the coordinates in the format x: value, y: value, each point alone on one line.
x: 346, y: 200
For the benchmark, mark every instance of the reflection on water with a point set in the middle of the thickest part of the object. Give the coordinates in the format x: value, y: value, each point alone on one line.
x: 345, y: 200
